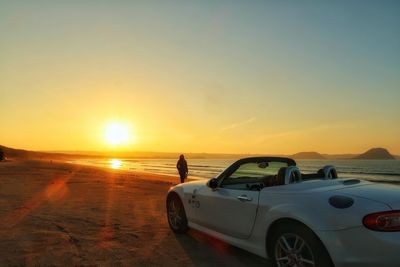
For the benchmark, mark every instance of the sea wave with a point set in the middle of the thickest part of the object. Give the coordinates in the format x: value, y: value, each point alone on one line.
x: 377, y: 171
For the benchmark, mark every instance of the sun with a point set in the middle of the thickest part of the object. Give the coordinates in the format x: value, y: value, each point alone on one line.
x: 117, y: 134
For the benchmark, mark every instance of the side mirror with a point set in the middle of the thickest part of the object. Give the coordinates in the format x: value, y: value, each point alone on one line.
x: 213, y: 183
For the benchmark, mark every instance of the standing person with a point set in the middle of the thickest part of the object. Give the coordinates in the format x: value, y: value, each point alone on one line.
x: 182, y: 167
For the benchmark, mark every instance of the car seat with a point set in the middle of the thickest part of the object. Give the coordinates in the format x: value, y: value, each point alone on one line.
x: 280, y: 177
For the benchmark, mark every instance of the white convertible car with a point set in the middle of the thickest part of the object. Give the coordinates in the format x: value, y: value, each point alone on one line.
x: 267, y: 206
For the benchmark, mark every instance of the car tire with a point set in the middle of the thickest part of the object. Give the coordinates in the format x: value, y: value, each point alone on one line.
x: 297, y: 245
x: 176, y: 214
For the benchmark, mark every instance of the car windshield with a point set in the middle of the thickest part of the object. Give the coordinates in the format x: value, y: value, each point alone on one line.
x: 257, y: 170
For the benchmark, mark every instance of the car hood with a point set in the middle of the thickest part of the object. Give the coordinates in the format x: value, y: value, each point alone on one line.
x: 384, y: 193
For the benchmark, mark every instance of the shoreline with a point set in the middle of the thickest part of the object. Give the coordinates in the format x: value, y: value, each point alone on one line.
x: 146, y: 173
x: 137, y: 174
x: 344, y: 172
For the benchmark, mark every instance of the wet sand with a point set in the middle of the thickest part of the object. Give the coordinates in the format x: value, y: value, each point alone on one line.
x: 59, y: 214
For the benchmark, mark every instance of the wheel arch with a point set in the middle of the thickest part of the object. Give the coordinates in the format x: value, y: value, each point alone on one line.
x: 285, y: 221
x: 172, y: 194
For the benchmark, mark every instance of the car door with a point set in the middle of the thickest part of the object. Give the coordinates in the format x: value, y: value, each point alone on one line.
x: 231, y: 208
x: 228, y: 211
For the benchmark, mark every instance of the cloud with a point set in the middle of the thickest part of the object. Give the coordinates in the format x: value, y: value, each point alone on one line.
x: 308, y: 130
x: 238, y: 124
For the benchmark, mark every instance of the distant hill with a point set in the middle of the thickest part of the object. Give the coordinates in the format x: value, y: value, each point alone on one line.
x: 12, y: 153
x: 376, y: 153
x: 16, y: 153
x: 308, y: 155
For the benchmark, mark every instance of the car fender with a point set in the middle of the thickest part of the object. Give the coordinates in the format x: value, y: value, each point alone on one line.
x: 176, y: 189
x: 185, y: 192
x: 186, y: 188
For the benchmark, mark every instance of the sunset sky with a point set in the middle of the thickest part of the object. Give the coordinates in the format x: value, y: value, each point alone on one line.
x: 201, y: 76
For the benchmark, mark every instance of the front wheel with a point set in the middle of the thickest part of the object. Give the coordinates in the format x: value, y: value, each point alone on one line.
x: 176, y: 214
x: 297, y: 246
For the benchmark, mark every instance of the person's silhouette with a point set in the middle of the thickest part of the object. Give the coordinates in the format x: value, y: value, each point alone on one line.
x: 182, y: 167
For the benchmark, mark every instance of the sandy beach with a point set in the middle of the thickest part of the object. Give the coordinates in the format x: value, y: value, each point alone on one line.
x: 59, y: 214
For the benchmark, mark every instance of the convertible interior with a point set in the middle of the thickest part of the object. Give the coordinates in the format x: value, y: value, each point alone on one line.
x: 259, y: 176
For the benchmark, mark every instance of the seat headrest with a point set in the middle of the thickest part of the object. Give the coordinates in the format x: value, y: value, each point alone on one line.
x: 329, y: 172
x: 280, y: 177
x: 293, y: 175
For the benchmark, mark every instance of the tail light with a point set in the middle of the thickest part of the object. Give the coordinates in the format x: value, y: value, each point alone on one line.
x: 387, y: 221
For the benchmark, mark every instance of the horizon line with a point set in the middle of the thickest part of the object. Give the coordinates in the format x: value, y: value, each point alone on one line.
x: 206, y: 153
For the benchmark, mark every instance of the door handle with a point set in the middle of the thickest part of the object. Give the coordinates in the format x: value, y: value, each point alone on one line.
x: 244, y: 198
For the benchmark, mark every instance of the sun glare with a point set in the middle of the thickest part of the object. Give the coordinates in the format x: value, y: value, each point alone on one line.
x: 117, y: 134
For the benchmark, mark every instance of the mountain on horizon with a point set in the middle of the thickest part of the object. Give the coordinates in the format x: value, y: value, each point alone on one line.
x: 376, y: 153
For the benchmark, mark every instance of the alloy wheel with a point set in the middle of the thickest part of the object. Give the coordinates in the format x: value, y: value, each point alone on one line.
x: 292, y: 250
x: 174, y: 213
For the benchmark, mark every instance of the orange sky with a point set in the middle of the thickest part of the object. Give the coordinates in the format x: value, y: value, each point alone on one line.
x: 200, y: 77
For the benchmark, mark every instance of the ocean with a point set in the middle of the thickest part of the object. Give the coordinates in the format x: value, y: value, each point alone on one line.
x: 373, y: 170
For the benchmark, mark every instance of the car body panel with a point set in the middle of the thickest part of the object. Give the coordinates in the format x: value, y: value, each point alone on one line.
x: 395, y: 205
x: 384, y: 193
x: 360, y: 247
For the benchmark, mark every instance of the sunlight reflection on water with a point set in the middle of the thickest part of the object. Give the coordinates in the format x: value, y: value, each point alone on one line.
x: 115, y: 164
